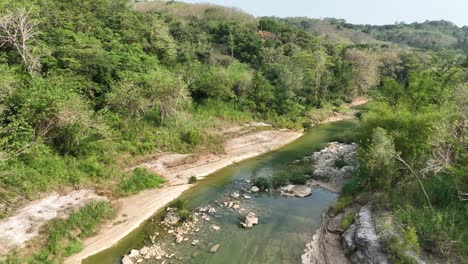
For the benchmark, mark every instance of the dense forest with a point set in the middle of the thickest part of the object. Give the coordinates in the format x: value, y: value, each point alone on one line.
x: 88, y: 86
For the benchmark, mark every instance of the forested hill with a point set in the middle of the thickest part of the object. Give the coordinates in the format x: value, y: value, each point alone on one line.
x: 429, y: 35
x: 89, y: 86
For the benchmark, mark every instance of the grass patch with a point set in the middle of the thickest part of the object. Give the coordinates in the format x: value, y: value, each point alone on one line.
x: 63, y: 236
x: 348, y: 220
x: 140, y: 180
x: 341, y: 204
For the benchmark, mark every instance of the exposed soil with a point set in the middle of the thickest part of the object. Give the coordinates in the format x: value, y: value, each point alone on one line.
x: 16, y: 230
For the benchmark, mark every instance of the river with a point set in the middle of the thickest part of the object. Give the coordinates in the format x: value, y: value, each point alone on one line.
x: 285, y: 224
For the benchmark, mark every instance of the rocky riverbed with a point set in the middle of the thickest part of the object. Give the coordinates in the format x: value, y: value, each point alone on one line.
x: 357, y: 233
x: 197, y: 228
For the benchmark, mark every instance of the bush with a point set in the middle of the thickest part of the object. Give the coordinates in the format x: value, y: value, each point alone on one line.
x: 340, y: 162
x: 279, y: 180
x: 297, y: 178
x: 141, y: 179
x: 179, y: 204
x: 337, y: 102
x: 442, y: 231
x: 357, y: 183
x: 192, y: 179
x: 191, y: 137
x: 261, y: 182
x: 184, y: 215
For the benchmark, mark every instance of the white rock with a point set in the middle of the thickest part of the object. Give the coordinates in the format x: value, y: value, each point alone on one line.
x: 250, y: 220
x: 171, y: 218
x: 126, y: 260
x: 215, y: 227
x: 144, y: 250
x: 134, y: 253
x: 214, y: 248
x: 235, y: 195
x: 254, y: 189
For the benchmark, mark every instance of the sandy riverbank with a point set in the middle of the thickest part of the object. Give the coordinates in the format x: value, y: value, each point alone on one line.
x: 134, y: 210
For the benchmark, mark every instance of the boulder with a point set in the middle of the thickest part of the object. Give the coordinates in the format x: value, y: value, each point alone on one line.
x: 179, y: 238
x: 144, y: 251
x: 214, y: 248
x: 235, y: 195
x: 361, y: 242
x: 254, y: 189
x: 134, y: 253
x: 127, y: 260
x: 250, y: 220
x: 296, y: 190
x: 171, y: 218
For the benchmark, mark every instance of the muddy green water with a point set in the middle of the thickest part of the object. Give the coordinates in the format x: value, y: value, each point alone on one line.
x: 285, y: 224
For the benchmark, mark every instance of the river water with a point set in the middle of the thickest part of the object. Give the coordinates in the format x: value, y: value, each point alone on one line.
x: 285, y: 224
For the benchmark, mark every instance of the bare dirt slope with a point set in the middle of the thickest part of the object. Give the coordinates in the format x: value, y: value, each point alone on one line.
x: 16, y: 230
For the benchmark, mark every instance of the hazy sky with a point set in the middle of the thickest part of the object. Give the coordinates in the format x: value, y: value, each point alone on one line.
x: 357, y: 11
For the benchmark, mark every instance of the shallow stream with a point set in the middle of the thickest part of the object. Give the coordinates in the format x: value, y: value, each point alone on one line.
x: 285, y: 224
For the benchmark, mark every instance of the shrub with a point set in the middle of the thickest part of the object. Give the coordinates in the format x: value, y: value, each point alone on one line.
x: 337, y: 102
x: 192, y: 137
x: 262, y: 183
x: 179, y: 204
x: 192, y: 179
x: 436, y: 230
x: 141, y: 179
x: 279, y: 180
x: 184, y: 215
x: 340, y: 162
x: 297, y: 178
x: 357, y: 183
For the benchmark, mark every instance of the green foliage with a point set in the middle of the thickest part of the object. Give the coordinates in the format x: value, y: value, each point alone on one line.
x: 179, y: 204
x: 347, y: 220
x: 261, y: 182
x: 442, y: 230
x: 341, y: 204
x: 191, y: 137
x: 140, y: 180
x: 64, y: 236
x: 340, y: 162
x: 192, y: 179
x: 358, y: 182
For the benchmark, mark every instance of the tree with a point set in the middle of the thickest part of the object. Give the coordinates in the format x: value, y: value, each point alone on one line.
x: 17, y: 30
x: 380, y: 158
x: 365, y: 67
x: 165, y: 92
x: 391, y: 91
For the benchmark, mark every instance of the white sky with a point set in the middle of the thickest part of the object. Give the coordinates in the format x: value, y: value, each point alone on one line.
x: 375, y: 12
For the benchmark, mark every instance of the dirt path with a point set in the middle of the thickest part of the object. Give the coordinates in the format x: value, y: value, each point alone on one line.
x: 134, y: 210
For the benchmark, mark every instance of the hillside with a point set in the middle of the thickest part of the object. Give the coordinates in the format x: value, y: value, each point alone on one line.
x: 429, y: 35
